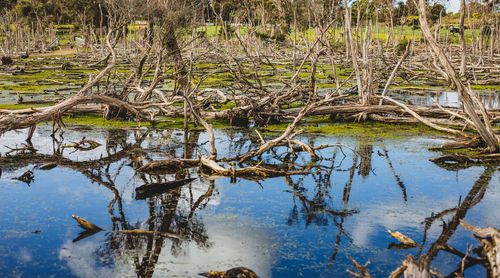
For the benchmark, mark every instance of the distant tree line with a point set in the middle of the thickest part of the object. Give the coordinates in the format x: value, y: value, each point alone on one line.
x: 287, y: 14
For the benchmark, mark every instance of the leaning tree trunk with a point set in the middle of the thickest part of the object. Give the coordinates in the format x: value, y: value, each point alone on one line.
x: 465, y: 93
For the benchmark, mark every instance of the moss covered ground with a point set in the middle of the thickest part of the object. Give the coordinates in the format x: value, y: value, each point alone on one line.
x: 42, y: 74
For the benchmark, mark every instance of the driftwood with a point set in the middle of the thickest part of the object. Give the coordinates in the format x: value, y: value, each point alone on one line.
x: 86, y: 224
x: 83, y: 145
x: 490, y: 239
x: 402, y: 238
x: 91, y: 229
x: 363, y: 272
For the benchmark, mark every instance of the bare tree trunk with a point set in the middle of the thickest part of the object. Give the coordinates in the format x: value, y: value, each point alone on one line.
x: 294, y: 7
x: 466, y: 95
x: 352, y: 48
x: 462, y: 37
x: 390, y: 32
x: 173, y: 50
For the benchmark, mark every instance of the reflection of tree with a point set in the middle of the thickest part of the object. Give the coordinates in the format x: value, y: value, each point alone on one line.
x: 474, y: 196
x: 166, y: 214
x: 396, y: 176
x: 365, y: 152
x: 316, y: 206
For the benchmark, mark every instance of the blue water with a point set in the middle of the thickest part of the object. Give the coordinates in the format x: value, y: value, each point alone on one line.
x: 301, y: 226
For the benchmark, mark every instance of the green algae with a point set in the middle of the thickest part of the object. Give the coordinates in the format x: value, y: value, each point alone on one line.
x: 367, y: 129
x: 486, y: 87
x: 23, y: 106
x: 24, y: 87
x: 97, y: 120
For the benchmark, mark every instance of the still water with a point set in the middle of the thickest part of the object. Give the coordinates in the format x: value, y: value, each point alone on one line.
x: 490, y: 100
x: 298, y: 226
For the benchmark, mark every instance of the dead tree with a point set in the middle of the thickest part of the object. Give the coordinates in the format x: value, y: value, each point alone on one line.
x: 467, y: 96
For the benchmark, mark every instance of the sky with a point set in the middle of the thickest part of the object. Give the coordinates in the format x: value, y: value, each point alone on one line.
x: 452, y: 5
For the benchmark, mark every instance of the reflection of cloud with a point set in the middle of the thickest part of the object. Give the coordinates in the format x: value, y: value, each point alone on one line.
x: 25, y: 255
x: 234, y: 242
x: 488, y: 207
x: 391, y: 216
x: 83, y: 261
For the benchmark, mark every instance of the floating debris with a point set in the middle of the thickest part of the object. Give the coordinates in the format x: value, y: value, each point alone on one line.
x: 403, y: 239
x: 86, y: 224
x: 83, y: 145
x: 27, y: 177
x: 237, y: 272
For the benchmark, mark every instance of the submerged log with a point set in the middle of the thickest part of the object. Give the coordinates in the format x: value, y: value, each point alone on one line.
x: 169, y: 165
x: 472, y: 143
x: 26, y: 177
x: 236, y: 272
x: 149, y: 190
x: 458, y: 160
x: 149, y: 233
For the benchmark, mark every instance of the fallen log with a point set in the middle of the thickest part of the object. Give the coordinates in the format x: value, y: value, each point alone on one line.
x: 169, y: 166
x: 246, y: 171
x: 17, y: 121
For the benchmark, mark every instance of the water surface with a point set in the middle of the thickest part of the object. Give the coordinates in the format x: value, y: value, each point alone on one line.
x: 298, y: 226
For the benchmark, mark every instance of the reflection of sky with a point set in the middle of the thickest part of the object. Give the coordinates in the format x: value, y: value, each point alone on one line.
x: 247, y: 224
x: 490, y: 100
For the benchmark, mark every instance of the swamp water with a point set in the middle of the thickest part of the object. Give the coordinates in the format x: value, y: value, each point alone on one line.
x: 299, y: 226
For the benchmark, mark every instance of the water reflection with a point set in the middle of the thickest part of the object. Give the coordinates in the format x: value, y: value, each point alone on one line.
x: 286, y: 227
x: 490, y: 100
